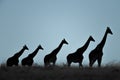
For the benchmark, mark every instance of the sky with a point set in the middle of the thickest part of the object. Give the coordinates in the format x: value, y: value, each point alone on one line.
x: 47, y: 22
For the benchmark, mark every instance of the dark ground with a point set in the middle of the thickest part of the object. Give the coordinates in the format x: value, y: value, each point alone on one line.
x: 60, y: 73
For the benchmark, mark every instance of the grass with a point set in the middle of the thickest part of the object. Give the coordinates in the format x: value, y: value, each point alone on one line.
x: 110, y: 72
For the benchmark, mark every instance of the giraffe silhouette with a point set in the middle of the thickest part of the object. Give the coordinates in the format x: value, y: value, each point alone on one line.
x: 77, y: 56
x: 14, y: 60
x: 97, y: 53
x: 29, y: 59
x: 51, y: 58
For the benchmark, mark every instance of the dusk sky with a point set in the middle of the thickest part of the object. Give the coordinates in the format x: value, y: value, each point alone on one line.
x: 47, y: 22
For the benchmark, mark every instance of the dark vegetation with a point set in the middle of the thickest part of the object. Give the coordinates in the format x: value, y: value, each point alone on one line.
x: 36, y: 72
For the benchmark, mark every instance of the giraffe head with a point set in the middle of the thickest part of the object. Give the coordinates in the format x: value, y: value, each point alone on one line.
x: 109, y: 31
x: 91, y: 39
x: 25, y: 47
x: 64, y: 41
x: 40, y: 47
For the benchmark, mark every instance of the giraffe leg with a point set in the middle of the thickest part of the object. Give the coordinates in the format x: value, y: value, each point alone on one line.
x: 8, y: 64
x: 16, y: 64
x: 69, y: 63
x: 99, y: 61
x: 80, y: 65
x: 46, y: 64
x: 92, y: 61
x: 23, y: 65
x: 54, y: 63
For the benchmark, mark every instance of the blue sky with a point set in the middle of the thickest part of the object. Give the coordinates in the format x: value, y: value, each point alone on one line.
x: 47, y: 22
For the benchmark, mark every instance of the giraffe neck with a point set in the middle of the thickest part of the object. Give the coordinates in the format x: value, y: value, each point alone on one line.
x: 18, y: 54
x: 102, y: 43
x: 84, y: 47
x: 32, y: 55
x: 55, y: 52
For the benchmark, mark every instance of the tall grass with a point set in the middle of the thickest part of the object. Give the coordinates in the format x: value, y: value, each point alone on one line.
x: 36, y: 72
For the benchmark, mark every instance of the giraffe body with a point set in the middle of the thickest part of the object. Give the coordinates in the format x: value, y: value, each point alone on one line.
x: 97, y: 53
x: 51, y: 58
x: 14, y: 60
x: 77, y: 57
x: 29, y: 59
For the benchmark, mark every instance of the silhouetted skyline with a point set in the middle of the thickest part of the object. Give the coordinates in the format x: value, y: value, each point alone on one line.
x: 34, y: 22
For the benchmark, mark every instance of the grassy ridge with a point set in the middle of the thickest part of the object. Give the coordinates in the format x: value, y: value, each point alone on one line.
x: 59, y: 73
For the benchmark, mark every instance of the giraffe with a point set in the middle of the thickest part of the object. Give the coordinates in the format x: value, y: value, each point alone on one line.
x: 14, y: 60
x: 97, y: 53
x: 51, y: 58
x: 29, y: 59
x: 77, y: 56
